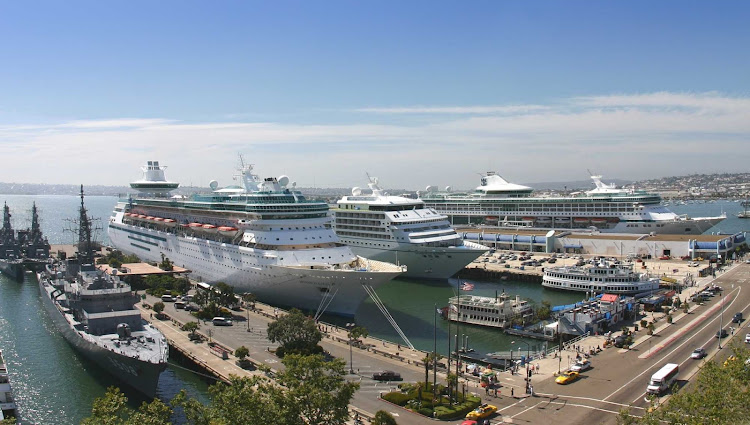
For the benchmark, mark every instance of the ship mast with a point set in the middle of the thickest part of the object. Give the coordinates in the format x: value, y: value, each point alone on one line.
x: 85, y: 244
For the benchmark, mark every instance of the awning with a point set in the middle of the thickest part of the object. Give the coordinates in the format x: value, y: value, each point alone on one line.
x: 579, y: 246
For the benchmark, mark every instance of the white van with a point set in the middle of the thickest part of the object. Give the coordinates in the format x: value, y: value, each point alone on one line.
x: 222, y: 321
x: 167, y: 298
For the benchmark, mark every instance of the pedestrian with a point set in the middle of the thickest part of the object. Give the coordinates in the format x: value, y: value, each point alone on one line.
x: 512, y: 393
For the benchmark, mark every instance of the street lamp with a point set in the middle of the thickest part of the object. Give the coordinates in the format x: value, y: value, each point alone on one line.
x: 721, y: 319
x: 350, y: 326
x: 528, y: 347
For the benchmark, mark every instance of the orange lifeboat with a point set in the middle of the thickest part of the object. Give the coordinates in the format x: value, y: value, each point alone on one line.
x: 195, y: 225
x: 598, y: 220
x: 170, y: 222
x: 581, y: 220
x: 210, y: 228
x: 227, y: 230
x: 158, y: 219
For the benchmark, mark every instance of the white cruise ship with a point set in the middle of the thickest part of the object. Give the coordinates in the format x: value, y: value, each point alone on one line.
x: 599, y: 279
x: 606, y: 208
x: 263, y: 237
x: 402, y: 231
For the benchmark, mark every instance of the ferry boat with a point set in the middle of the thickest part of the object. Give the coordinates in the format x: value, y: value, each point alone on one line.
x: 264, y: 237
x: 496, y: 311
x: 402, y: 231
x: 7, y: 403
x: 605, y: 208
x: 95, y: 312
x: 603, y: 277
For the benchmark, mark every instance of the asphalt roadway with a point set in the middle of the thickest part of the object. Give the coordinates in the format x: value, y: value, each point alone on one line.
x: 617, y: 380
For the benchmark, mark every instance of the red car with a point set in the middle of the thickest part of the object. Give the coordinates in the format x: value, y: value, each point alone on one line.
x: 664, y: 257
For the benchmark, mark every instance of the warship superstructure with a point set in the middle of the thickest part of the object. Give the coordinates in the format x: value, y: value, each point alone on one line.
x: 96, y: 314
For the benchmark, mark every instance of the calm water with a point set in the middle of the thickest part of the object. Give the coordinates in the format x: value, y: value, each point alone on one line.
x: 54, y: 385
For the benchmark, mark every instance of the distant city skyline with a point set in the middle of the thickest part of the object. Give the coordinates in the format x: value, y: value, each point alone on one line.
x: 417, y: 93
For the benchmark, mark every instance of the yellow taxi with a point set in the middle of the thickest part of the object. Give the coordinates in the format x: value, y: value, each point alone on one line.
x: 567, y: 377
x: 729, y: 360
x: 481, y: 412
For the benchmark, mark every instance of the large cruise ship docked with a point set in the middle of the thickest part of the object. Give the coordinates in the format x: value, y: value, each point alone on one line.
x: 607, y: 208
x: 402, y: 231
x: 263, y: 237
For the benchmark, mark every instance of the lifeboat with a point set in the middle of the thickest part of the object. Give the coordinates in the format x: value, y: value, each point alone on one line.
x: 227, y: 230
x: 581, y: 220
x: 210, y: 228
x: 195, y: 226
x: 141, y: 216
x: 170, y: 222
x: 562, y: 219
x: 544, y: 219
x: 491, y: 218
x: 598, y: 220
x: 527, y: 219
x: 149, y: 218
x: 158, y: 219
x: 613, y: 220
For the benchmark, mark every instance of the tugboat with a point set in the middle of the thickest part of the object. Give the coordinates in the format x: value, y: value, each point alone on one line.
x: 95, y: 313
x: 7, y: 404
x: 11, y: 263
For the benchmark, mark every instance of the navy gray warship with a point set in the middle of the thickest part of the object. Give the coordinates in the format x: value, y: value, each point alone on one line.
x: 11, y: 262
x: 95, y: 313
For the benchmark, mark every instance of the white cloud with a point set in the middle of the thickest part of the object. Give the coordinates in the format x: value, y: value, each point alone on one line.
x: 623, y: 136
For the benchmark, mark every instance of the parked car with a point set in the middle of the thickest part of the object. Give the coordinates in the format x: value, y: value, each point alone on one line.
x: 581, y: 365
x: 567, y: 378
x: 699, y: 353
x: 167, y: 298
x: 482, y: 411
x: 747, y: 339
x: 222, y: 321
x: 665, y: 257
x: 620, y: 341
x: 191, y: 307
x: 721, y: 334
x: 386, y: 375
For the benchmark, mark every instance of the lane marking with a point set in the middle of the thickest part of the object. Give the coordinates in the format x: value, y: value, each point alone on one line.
x: 738, y: 289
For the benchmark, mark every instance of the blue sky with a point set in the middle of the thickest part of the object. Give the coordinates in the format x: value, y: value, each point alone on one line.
x: 418, y: 92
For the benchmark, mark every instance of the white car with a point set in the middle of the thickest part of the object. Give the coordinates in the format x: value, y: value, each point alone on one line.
x: 747, y: 339
x: 698, y: 354
x: 581, y: 365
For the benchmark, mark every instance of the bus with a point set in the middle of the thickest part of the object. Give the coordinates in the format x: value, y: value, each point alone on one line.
x: 663, y: 379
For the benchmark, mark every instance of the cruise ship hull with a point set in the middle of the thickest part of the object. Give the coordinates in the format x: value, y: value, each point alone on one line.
x: 336, y: 291
x: 421, y: 262
x: 139, y: 375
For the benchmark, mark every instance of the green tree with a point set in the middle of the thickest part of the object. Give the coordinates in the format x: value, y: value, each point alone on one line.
x: 225, y: 296
x: 8, y: 421
x: 250, y: 298
x: 158, y: 307
x: 191, y: 327
x: 112, y: 409
x: 545, y: 311
x: 241, y: 353
x: 165, y: 263
x: 318, y: 392
x: 295, y: 332
x: 383, y: 418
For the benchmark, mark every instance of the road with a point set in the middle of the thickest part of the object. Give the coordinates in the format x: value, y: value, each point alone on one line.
x: 619, y: 377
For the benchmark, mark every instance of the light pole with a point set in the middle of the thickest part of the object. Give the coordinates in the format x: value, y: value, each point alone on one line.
x: 721, y: 319
x: 350, y: 326
x: 528, y: 348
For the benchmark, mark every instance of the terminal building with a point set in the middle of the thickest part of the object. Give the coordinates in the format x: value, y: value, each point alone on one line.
x: 607, y: 244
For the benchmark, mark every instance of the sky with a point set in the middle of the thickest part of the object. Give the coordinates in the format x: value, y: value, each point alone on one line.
x: 415, y: 92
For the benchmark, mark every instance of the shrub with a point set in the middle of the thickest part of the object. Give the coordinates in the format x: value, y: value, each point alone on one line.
x: 425, y: 411
x: 396, y: 398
